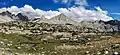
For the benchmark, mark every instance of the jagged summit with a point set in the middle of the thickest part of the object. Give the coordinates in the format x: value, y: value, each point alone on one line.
x: 60, y: 19
x: 7, y: 13
x: 11, y: 17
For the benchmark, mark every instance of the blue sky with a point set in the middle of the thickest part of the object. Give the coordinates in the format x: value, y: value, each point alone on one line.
x: 112, y: 6
x: 41, y: 4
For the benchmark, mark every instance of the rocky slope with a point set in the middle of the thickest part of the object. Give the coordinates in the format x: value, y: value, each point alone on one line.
x: 6, y: 17
x: 20, y: 37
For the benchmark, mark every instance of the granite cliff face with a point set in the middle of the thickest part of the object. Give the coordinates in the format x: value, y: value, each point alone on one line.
x: 22, y: 17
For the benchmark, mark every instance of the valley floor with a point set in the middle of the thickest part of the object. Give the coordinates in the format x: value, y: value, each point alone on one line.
x: 16, y: 44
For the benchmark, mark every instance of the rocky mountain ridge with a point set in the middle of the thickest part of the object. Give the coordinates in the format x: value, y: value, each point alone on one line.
x: 100, y: 26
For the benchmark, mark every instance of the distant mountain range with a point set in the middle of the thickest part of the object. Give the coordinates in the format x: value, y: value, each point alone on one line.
x: 102, y: 26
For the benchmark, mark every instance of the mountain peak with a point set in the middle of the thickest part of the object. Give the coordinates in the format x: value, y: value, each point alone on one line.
x: 7, y: 13
x: 61, y: 17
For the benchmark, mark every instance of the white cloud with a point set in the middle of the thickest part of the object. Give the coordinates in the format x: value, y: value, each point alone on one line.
x: 50, y: 14
x: 115, y: 13
x: 30, y: 12
x: 100, y: 10
x: 81, y: 2
x: 65, y: 1
x: 76, y: 13
x: 3, y: 9
x: 80, y: 13
x: 14, y: 9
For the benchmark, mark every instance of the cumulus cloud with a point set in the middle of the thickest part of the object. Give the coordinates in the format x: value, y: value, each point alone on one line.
x: 47, y: 14
x: 80, y: 13
x: 30, y: 11
x: 76, y: 13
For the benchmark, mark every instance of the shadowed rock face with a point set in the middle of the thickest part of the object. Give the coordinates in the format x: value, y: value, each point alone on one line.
x: 114, y: 23
x: 6, y: 13
x: 22, y: 17
x: 9, y: 16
